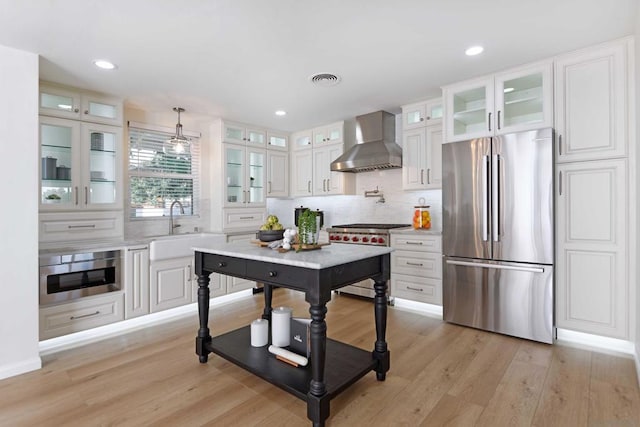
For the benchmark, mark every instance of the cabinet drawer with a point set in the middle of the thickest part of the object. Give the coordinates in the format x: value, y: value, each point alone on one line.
x: 82, y: 314
x: 61, y: 227
x: 417, y: 288
x: 244, y: 218
x: 424, y: 264
x: 426, y: 243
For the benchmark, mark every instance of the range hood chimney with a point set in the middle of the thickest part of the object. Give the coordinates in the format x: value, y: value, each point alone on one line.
x: 375, y: 148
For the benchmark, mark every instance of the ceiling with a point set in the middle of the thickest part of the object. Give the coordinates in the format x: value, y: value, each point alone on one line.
x: 244, y: 59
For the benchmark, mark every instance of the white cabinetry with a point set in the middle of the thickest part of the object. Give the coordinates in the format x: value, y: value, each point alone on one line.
x: 421, y: 147
x: 64, y: 102
x: 416, y: 267
x: 170, y: 283
x: 595, y: 190
x: 302, y: 139
x: 301, y: 172
x: 239, y: 133
x: 328, y: 134
x: 136, y: 281
x: 277, y: 140
x: 246, y: 173
x: 326, y: 182
x: 515, y: 100
x: 592, y: 226
x: 592, y: 99
x: 277, y: 173
x: 84, y: 313
x: 422, y: 114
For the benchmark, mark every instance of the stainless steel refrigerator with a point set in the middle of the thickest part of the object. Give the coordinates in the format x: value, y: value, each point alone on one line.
x: 498, y: 234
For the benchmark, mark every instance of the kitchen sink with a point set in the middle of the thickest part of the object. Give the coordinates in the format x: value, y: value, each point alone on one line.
x: 179, y: 245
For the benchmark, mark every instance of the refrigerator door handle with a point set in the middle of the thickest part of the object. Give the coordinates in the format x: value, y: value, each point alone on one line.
x: 496, y: 266
x: 495, y: 197
x: 485, y: 199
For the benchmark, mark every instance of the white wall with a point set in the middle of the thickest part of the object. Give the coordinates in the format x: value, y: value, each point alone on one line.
x: 19, y: 221
x: 637, y: 285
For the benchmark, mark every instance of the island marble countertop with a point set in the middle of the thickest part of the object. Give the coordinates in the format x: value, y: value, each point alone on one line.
x: 327, y: 256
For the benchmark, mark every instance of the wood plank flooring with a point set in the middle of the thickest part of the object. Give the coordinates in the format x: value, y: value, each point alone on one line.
x: 441, y: 375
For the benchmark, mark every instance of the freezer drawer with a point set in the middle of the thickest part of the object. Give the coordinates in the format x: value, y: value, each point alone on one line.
x: 509, y: 298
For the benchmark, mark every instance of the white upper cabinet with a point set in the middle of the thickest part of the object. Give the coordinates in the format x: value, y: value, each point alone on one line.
x: 245, y: 175
x: 329, y: 134
x: 277, y: 173
x: 301, y: 173
x: 59, y: 101
x: 238, y: 133
x: 421, y: 114
x: 302, y: 140
x: 277, y: 141
x: 515, y: 100
x: 592, y: 103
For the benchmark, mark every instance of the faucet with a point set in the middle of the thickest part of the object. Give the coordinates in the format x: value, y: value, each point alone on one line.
x: 375, y: 193
x: 171, y: 226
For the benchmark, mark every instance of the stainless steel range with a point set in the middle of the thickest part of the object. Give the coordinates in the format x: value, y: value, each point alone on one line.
x: 362, y: 234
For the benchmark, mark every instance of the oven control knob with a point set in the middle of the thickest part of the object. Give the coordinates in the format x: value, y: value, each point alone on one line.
x: 345, y: 238
x: 332, y: 237
x: 374, y: 240
x: 355, y: 239
x: 380, y: 240
x: 365, y: 239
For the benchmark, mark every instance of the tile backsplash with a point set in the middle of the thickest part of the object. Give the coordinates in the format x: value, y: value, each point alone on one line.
x: 398, y: 207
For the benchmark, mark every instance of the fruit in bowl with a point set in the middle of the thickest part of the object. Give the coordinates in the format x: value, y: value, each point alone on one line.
x: 271, y: 230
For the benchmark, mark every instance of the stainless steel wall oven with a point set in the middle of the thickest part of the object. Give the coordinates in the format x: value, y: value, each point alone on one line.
x: 65, y: 277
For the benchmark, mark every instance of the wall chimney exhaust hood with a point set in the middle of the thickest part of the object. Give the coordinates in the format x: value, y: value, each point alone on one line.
x: 375, y: 148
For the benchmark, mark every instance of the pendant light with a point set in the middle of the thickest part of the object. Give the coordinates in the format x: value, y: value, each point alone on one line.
x: 178, y: 141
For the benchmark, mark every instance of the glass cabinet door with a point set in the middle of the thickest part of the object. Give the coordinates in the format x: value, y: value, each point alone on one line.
x: 234, y: 175
x: 257, y: 176
x: 59, y: 174
x: 523, y: 99
x: 470, y: 110
x: 256, y: 137
x: 277, y: 141
x: 101, y: 145
x: 59, y: 102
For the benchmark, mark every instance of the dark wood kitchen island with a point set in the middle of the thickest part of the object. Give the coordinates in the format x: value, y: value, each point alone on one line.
x: 333, y: 366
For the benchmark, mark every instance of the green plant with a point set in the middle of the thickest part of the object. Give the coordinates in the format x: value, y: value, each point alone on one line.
x: 53, y: 196
x: 307, y: 227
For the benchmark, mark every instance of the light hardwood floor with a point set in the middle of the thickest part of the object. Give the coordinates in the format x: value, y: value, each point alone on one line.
x: 441, y: 374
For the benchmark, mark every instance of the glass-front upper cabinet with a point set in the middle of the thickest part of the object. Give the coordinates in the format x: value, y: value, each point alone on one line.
x: 513, y: 101
x: 245, y: 175
x: 240, y: 134
x: 79, y: 165
x: 422, y: 114
x: 59, y: 101
x: 277, y: 140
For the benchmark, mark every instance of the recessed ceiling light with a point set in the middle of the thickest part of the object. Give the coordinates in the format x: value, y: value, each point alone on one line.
x: 281, y: 113
x: 474, y: 50
x: 104, y: 64
x: 508, y: 89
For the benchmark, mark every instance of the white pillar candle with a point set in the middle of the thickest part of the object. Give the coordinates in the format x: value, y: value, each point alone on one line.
x: 280, y: 326
x: 259, y: 333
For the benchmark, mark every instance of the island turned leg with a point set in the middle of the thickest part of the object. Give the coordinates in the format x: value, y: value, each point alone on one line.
x: 381, y: 353
x: 268, y: 294
x: 204, y: 338
x: 317, y: 399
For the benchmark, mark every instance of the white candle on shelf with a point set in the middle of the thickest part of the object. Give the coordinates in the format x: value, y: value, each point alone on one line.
x: 259, y: 333
x: 280, y: 326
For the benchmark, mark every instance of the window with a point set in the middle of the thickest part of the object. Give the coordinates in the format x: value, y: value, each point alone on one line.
x: 158, y: 175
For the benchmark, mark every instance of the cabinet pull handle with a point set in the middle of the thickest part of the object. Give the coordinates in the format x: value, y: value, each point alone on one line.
x: 189, y: 269
x: 413, y: 243
x: 76, y: 191
x: 489, y: 122
x: 222, y: 264
x: 499, y: 119
x: 86, y: 195
x: 560, y: 183
x: 428, y: 175
x: 273, y: 273
x: 244, y: 196
x: 82, y: 226
x: 86, y: 111
x: 309, y: 186
x: 75, y: 110
x: 415, y: 289
x: 328, y: 186
x: 144, y: 248
x: 269, y: 184
x: 422, y: 176
x: 246, y: 217
x: 415, y: 264
x: 324, y: 185
x: 559, y: 145
x: 84, y: 315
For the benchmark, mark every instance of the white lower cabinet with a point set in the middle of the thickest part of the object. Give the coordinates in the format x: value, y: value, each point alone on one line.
x: 416, y: 267
x: 171, y: 283
x: 592, y: 293
x: 136, y: 281
x: 84, y: 313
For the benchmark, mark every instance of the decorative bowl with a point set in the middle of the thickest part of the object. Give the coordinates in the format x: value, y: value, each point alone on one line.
x: 270, y: 235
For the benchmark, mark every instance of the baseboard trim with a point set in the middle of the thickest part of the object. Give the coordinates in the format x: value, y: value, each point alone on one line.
x: 430, y: 310
x: 596, y: 342
x: 22, y: 367
x: 89, y: 336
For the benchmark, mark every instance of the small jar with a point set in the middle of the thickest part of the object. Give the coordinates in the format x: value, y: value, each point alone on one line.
x: 421, y: 216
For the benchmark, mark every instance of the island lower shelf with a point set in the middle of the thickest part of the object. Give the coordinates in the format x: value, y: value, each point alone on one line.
x: 344, y: 364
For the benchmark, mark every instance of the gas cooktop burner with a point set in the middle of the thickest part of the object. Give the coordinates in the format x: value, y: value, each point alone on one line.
x: 378, y: 226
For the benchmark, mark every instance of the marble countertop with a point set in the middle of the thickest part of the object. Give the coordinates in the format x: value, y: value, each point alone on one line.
x: 413, y: 231
x: 328, y: 256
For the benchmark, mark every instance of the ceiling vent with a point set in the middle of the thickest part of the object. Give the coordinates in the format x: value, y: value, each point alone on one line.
x: 325, y: 79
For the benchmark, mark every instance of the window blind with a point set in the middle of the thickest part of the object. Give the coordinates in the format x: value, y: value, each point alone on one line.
x: 159, y: 174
